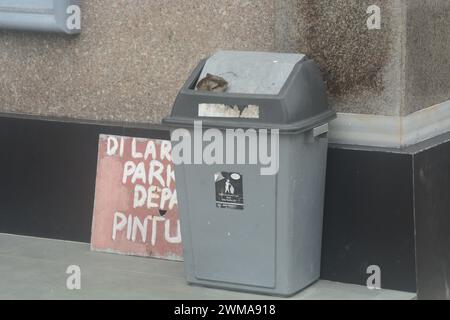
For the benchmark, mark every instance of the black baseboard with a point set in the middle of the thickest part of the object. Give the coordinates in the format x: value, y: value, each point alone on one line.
x: 389, y: 208
x: 383, y: 207
x: 432, y: 220
x: 368, y: 218
x: 47, y: 174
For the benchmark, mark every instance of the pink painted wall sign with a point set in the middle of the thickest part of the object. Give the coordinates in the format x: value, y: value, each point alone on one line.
x: 135, y: 210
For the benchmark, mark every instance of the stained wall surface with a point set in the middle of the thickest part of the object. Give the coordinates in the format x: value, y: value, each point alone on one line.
x: 363, y: 68
x: 133, y: 55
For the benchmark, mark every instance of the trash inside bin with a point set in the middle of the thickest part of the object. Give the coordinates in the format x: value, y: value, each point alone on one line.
x: 248, y: 223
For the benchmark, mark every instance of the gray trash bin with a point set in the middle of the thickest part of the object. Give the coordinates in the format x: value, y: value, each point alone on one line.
x: 243, y: 230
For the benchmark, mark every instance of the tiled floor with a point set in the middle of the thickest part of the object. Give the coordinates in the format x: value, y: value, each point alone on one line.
x: 32, y: 268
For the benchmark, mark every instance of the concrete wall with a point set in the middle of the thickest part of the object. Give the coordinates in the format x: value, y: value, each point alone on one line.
x: 131, y: 58
x: 362, y: 67
x: 133, y: 55
x: 428, y: 55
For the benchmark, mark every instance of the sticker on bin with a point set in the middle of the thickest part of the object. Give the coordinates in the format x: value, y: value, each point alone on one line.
x: 213, y: 110
x: 229, y: 190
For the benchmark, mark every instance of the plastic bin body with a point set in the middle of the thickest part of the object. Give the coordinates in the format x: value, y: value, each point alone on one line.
x: 272, y: 244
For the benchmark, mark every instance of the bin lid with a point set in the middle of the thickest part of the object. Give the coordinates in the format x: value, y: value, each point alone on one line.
x: 265, y: 90
x: 252, y: 72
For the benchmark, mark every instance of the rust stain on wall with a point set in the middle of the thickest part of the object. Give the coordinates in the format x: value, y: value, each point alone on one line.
x: 336, y: 36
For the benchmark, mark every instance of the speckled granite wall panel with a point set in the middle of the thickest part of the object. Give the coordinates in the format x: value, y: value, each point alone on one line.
x: 428, y: 54
x: 133, y: 55
x: 363, y: 68
x: 131, y: 58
